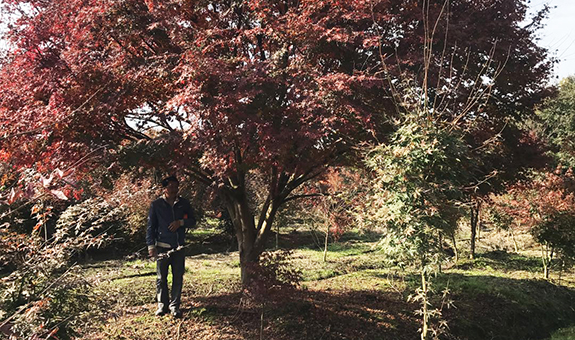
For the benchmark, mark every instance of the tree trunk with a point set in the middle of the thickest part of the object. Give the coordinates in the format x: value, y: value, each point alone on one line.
x: 561, y: 269
x: 249, y: 254
x: 246, y: 234
x: 473, y: 233
x: 424, y: 310
x: 475, y: 214
x: 277, y: 236
x: 251, y: 237
x: 325, y: 242
x: 546, y: 257
x: 247, y: 266
x: 455, y: 250
x: 262, y: 322
x: 478, y: 220
x: 515, y: 245
x: 440, y: 240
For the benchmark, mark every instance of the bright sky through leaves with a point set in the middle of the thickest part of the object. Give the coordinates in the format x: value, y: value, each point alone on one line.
x: 558, y: 35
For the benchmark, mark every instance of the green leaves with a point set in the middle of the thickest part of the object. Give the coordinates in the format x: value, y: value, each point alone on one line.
x: 558, y: 118
x: 420, y: 179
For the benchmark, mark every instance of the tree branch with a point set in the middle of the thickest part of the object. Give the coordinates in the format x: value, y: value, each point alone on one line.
x: 295, y: 197
x: 271, y: 190
x: 199, y: 177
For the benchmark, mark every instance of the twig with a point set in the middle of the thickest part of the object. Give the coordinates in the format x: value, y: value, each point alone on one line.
x: 238, y: 311
x: 179, y: 328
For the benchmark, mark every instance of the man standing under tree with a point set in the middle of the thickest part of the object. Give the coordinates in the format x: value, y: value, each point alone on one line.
x: 167, y: 221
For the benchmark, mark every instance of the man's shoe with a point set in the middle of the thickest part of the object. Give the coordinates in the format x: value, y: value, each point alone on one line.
x: 176, y: 313
x: 161, y: 312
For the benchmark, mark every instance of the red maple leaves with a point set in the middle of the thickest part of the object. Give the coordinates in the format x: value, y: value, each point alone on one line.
x: 530, y: 203
x: 285, y: 85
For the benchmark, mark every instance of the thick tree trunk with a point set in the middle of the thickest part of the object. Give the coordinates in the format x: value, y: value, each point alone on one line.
x: 244, y: 225
x: 248, y: 261
x: 251, y: 237
x: 246, y: 236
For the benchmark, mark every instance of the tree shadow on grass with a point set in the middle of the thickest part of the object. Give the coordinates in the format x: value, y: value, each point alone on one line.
x: 210, y: 244
x: 315, y: 315
x: 486, y: 307
x: 502, y: 260
x: 490, y: 307
x: 313, y: 239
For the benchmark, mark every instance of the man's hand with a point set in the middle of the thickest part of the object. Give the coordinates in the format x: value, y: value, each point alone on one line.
x: 153, y: 252
x: 174, y: 225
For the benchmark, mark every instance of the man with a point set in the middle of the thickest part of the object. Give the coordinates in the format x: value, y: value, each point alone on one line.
x: 167, y: 220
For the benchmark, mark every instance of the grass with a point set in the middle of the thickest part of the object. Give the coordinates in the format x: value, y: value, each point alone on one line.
x: 564, y: 334
x: 505, y: 307
x: 501, y: 261
x: 353, y: 295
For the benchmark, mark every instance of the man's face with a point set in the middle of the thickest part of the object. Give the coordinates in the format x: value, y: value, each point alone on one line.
x: 171, y: 190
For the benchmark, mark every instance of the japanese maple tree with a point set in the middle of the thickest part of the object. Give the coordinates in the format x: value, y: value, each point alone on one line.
x: 227, y: 86
x: 217, y: 89
x: 544, y: 206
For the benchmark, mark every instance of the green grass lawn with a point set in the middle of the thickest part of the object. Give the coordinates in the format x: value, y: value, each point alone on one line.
x: 353, y: 295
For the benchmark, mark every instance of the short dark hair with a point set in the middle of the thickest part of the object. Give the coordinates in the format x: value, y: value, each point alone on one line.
x: 167, y: 181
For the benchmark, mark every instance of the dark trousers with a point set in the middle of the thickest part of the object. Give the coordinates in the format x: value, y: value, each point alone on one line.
x: 176, y: 260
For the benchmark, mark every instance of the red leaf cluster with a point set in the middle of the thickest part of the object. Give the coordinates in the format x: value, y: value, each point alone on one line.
x: 530, y: 203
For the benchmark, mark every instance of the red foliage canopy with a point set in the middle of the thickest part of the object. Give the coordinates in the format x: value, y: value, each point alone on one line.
x: 286, y: 87
x: 279, y: 83
x: 276, y: 83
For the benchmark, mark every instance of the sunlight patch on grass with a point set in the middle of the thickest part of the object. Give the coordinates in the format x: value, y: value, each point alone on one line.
x: 564, y: 334
x: 203, y: 232
x: 141, y: 264
x: 359, y: 281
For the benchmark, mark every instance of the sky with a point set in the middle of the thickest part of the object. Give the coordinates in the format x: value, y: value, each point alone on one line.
x: 558, y: 35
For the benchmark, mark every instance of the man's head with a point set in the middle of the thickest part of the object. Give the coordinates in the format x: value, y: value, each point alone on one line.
x: 171, y: 186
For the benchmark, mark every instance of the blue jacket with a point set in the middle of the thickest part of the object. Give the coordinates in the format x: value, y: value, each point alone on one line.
x: 161, y: 215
